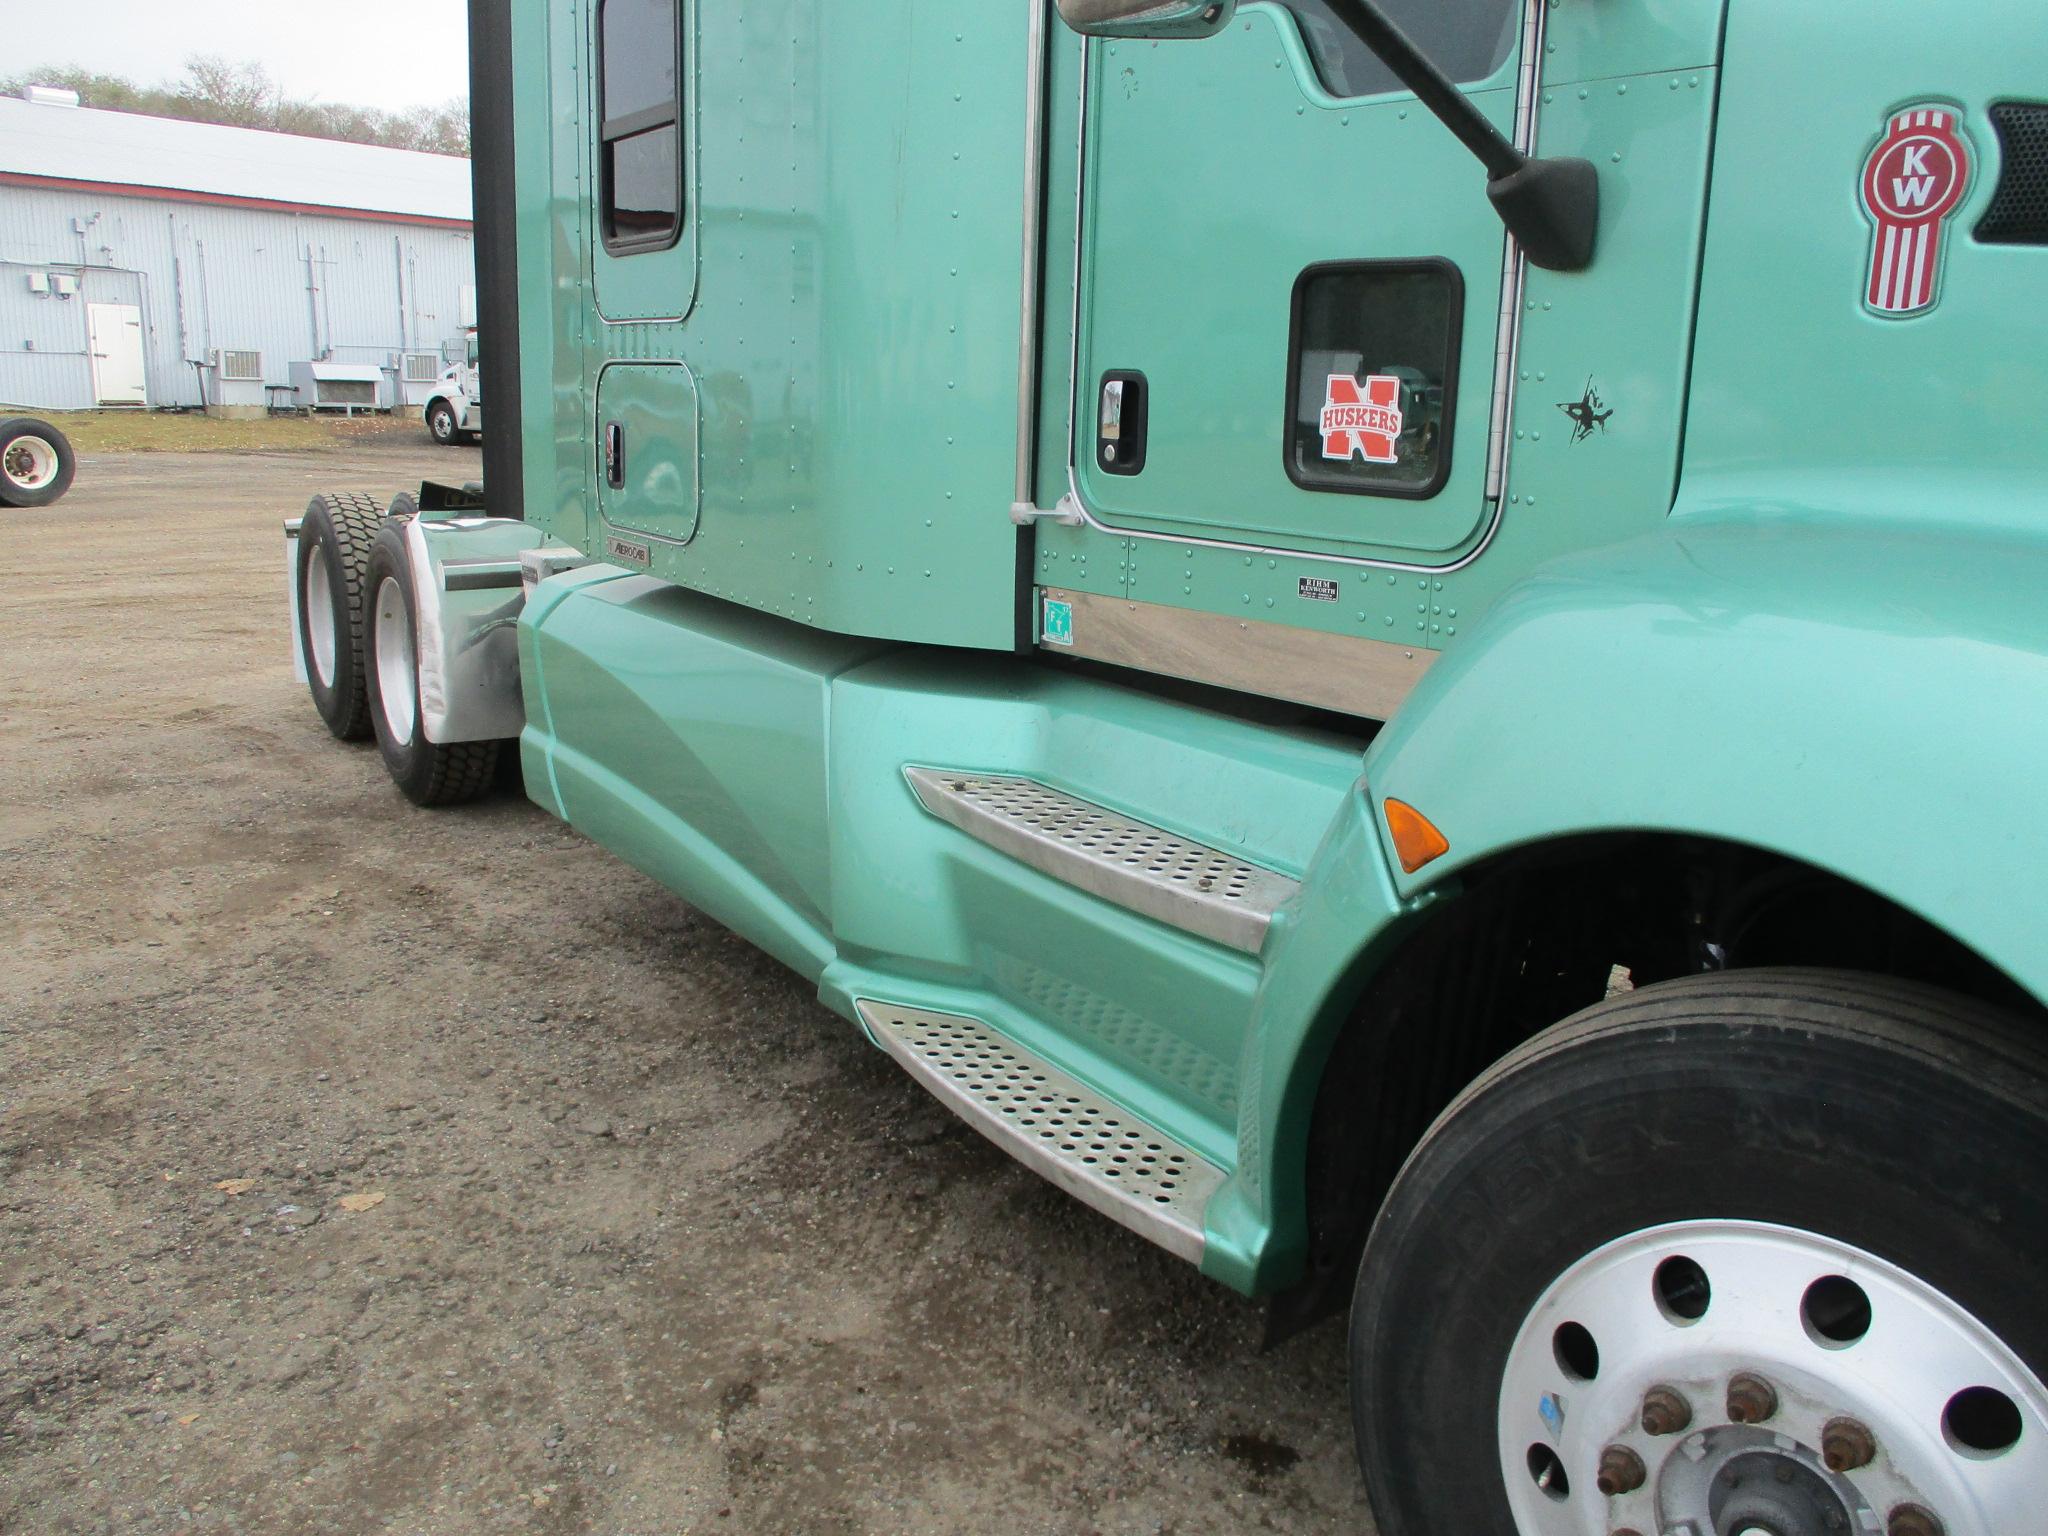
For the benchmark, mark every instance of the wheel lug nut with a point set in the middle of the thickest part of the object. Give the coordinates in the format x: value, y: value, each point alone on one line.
x: 1751, y: 1399
x: 1846, y: 1445
x: 1621, y: 1471
x: 1665, y: 1411
x: 1912, y: 1520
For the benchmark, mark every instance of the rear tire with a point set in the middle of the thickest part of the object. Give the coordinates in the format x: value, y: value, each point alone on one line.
x: 427, y: 773
x: 36, y: 462
x: 333, y: 567
x: 1800, y: 1113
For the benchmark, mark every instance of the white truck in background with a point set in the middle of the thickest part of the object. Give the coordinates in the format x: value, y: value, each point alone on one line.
x: 455, y: 410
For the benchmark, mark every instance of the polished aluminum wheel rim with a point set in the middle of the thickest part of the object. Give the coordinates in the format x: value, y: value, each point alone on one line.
x: 30, y: 463
x: 319, y: 606
x: 1781, y: 1386
x: 395, y: 696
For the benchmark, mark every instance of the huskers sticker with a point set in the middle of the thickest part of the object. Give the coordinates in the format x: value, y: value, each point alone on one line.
x: 1914, y: 179
x: 1364, y: 425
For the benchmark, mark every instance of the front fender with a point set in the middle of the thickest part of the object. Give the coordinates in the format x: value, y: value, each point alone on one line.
x: 1870, y: 700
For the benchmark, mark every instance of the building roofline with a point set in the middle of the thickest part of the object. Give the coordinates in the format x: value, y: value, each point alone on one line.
x: 227, y: 200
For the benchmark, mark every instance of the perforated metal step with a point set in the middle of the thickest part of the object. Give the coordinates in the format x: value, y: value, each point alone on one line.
x: 1187, y: 884
x: 1053, y: 1124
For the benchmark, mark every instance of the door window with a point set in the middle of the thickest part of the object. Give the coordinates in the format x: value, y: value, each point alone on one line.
x: 1374, y: 364
x: 1467, y: 39
x: 640, y: 116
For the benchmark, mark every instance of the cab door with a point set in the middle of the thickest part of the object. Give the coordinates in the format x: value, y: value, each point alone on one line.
x: 1290, y: 282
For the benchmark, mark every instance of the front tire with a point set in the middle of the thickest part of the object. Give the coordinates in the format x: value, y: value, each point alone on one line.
x: 1651, y: 1197
x: 441, y: 423
x: 427, y: 773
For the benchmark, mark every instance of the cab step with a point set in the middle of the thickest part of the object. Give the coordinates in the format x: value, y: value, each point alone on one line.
x: 1146, y: 869
x: 1053, y: 1124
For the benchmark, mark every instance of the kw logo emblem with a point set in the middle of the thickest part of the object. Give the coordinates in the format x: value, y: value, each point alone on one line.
x: 1363, y: 425
x: 1912, y: 182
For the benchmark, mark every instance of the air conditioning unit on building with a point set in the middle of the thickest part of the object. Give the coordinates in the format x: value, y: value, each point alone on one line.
x: 237, y: 384
x: 417, y: 372
x: 238, y: 364
x: 347, y: 387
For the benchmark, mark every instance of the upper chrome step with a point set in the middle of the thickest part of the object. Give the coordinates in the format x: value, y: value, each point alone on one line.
x: 1056, y: 1126
x: 1186, y: 884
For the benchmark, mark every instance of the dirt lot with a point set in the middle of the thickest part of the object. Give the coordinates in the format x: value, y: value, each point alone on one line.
x: 658, y: 1244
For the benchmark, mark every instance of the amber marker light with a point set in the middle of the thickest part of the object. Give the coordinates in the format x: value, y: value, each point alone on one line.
x: 1416, y: 840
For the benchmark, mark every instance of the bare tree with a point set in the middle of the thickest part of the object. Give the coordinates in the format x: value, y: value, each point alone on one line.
x: 243, y: 95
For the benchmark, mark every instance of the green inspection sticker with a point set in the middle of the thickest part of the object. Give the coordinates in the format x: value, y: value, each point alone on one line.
x: 1059, y: 622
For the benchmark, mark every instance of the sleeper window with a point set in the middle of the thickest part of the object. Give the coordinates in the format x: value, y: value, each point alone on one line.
x: 640, y: 114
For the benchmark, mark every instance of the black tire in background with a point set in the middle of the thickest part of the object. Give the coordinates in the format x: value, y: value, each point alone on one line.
x: 1902, y: 1120
x: 336, y: 532
x: 441, y: 423
x: 427, y: 773
x: 37, y: 465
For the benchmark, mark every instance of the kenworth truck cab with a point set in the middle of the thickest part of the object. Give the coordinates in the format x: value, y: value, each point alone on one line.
x: 1400, y: 642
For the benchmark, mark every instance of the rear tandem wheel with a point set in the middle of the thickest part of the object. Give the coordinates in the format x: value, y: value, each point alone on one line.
x: 333, y: 566
x: 429, y: 773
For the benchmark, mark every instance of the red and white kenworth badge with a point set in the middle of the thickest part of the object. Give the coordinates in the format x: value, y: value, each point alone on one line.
x: 1362, y: 425
x: 1914, y: 179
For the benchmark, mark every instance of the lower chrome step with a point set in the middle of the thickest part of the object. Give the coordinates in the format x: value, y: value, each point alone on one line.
x: 1183, y: 883
x: 1054, y: 1125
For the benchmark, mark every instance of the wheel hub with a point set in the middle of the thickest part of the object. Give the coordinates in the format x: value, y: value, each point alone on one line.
x: 318, y: 604
x: 1738, y: 1379
x: 1735, y: 1480
x: 30, y: 463
x: 395, y: 695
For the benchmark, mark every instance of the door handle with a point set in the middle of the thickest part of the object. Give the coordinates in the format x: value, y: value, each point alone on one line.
x: 615, y: 455
x: 1121, y: 421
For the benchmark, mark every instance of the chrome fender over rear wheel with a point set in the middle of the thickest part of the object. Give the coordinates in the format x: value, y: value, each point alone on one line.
x: 1754, y: 1254
x: 429, y: 773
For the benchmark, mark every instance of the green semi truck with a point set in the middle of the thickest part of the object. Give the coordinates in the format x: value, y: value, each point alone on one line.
x: 1401, y: 643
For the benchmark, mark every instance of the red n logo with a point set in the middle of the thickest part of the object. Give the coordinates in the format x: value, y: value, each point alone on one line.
x: 1368, y: 425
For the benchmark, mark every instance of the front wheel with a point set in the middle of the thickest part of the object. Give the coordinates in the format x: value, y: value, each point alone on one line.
x: 441, y: 423
x: 1754, y: 1254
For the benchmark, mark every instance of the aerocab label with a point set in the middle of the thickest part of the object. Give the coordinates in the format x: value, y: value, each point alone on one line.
x: 628, y: 550
x: 1913, y: 181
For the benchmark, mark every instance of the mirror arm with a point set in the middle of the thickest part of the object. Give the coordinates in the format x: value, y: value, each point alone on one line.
x: 1552, y: 207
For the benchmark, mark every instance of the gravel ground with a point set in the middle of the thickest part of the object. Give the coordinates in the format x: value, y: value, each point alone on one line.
x: 371, y: 1169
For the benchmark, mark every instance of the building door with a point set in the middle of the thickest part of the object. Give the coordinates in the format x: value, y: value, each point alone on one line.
x: 1291, y: 284
x: 114, y: 334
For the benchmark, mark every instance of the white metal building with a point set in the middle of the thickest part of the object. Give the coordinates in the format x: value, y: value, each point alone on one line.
x: 151, y: 262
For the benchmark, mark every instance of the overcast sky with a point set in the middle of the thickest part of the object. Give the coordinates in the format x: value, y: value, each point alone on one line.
x: 366, y: 53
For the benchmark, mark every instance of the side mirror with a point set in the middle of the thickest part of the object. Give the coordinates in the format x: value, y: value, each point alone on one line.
x: 1147, y: 18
